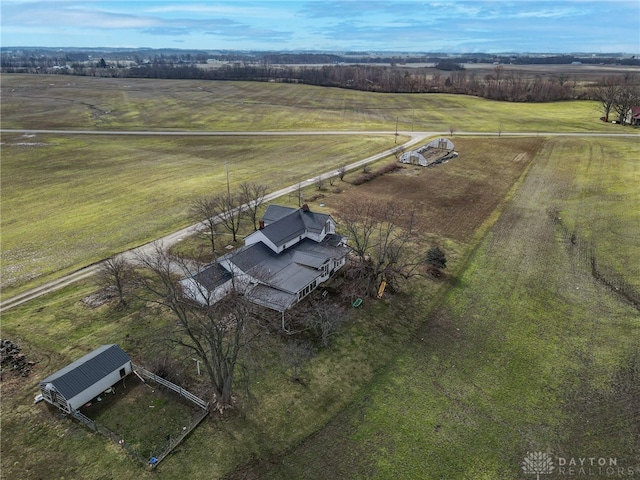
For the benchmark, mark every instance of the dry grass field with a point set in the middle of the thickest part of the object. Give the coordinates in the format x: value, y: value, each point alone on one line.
x: 69, y: 201
x: 88, y: 197
x: 85, y: 103
x: 518, y: 346
x: 63, y: 323
x: 583, y: 73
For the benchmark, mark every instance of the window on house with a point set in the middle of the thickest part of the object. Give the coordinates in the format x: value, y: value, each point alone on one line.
x: 306, y: 290
x: 123, y: 372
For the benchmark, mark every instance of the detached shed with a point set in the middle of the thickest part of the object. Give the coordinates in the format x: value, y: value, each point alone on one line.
x: 86, y: 378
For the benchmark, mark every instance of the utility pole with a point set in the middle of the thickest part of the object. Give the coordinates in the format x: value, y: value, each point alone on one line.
x: 396, y: 138
x: 197, y: 364
x: 226, y: 166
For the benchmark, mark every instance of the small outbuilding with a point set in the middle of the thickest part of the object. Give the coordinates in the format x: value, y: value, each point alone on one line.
x: 86, y: 378
x: 435, y: 152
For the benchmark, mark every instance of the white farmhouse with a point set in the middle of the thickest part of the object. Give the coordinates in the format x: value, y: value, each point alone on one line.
x: 293, y: 252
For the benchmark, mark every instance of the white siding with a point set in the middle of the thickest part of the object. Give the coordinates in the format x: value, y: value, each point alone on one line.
x: 197, y: 292
x: 259, y: 237
x: 99, y: 387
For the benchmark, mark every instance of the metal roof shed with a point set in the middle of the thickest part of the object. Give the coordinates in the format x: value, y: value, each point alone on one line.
x: 86, y: 378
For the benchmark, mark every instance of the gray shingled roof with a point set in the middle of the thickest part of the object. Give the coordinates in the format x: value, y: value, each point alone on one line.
x: 250, y: 256
x: 273, y: 213
x: 212, y: 276
x: 284, y: 224
x: 86, y: 371
x: 290, y: 270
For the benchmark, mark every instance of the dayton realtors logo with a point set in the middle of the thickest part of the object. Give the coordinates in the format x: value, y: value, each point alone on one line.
x: 541, y: 463
x: 537, y: 463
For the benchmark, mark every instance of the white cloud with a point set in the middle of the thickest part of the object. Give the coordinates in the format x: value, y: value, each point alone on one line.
x: 356, y: 24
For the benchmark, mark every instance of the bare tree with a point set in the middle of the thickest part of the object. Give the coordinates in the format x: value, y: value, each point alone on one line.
x: 299, y: 194
x: 357, y: 220
x: 295, y: 354
x: 253, y: 195
x: 205, y: 210
x: 228, y: 209
x: 320, y: 182
x: 117, y: 272
x: 628, y: 96
x: 391, y: 258
x: 342, y: 171
x: 324, y: 319
x: 382, y: 235
x: 215, y: 335
x: 606, y: 93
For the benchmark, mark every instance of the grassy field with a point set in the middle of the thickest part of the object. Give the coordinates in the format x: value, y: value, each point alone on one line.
x: 529, y: 352
x: 599, y: 201
x: 69, y: 201
x: 89, y: 197
x: 512, y: 352
x: 43, y: 102
x: 59, y: 327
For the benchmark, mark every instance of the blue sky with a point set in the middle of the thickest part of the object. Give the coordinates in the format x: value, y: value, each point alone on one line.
x: 366, y: 25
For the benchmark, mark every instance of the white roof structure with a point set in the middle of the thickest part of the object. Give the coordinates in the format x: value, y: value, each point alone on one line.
x: 434, y: 152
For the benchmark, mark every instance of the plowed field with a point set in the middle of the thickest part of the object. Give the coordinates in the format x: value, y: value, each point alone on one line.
x: 456, y: 197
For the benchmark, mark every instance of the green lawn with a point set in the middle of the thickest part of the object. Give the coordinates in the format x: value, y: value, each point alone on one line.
x: 601, y: 201
x: 427, y: 385
x: 527, y: 353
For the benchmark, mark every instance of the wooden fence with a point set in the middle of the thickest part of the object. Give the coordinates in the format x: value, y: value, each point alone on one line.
x: 101, y: 429
x: 84, y: 419
x: 176, y: 388
x: 173, y: 441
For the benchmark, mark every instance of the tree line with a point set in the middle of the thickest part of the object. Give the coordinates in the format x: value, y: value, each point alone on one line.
x: 448, y: 77
x: 617, y: 95
x: 501, y: 84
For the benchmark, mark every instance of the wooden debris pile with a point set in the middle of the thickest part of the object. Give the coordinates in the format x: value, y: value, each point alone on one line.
x: 12, y: 360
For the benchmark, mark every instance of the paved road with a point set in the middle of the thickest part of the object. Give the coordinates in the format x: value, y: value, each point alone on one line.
x: 212, y: 133
x: 175, y: 237
x: 218, y: 133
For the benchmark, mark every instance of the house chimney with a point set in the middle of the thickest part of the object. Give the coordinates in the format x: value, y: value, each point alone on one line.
x: 261, y: 224
x: 305, y: 207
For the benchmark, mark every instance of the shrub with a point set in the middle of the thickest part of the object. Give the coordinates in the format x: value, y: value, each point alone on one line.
x: 366, y: 177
